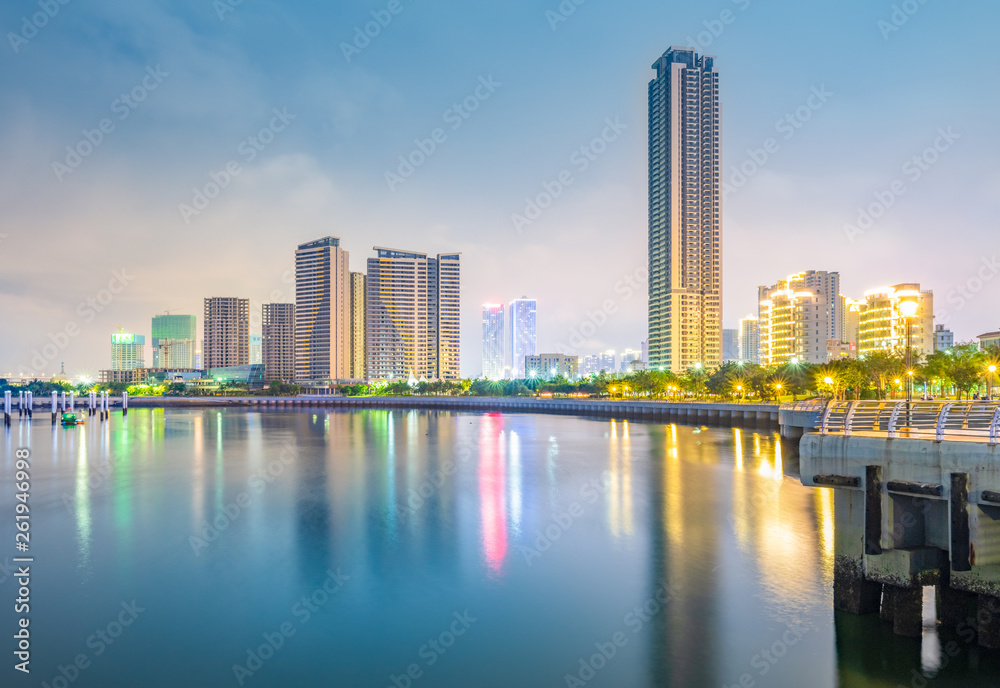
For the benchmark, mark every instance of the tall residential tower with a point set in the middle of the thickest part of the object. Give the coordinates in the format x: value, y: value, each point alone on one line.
x: 227, y: 332
x: 522, y: 337
x: 322, y: 312
x: 685, y: 229
x: 493, y: 339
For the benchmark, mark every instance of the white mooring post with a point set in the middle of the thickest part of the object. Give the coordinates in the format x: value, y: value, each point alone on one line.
x: 124, y: 404
x: 6, y: 407
x: 55, y: 406
x: 31, y: 405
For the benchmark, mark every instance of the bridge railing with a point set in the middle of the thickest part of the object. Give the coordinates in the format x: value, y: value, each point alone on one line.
x: 940, y: 420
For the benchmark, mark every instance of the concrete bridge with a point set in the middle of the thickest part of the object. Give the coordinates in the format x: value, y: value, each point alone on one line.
x: 916, y: 504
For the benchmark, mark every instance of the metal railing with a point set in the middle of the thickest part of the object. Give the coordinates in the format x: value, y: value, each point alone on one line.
x: 940, y: 420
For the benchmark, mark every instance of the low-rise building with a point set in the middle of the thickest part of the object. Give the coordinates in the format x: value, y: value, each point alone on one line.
x: 548, y: 366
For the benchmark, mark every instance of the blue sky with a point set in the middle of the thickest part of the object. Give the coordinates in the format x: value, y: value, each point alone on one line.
x: 215, y: 73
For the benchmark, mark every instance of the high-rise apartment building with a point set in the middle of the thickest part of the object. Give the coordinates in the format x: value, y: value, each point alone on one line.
x: 173, y: 340
x: 799, y: 316
x: 522, y: 336
x: 278, y: 341
x: 322, y: 312
x: 944, y: 338
x: 749, y: 343
x: 226, y: 324
x: 685, y: 227
x: 493, y: 340
x: 256, y: 349
x: 413, y: 315
x: 883, y: 320
x: 128, y: 351
x: 359, y: 315
x: 730, y: 346
x: 608, y: 362
x: 627, y: 358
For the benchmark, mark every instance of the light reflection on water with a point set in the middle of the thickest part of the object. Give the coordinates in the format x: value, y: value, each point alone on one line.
x: 433, y: 513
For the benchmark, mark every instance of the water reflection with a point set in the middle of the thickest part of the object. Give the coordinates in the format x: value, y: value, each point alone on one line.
x: 492, y: 491
x: 429, y: 513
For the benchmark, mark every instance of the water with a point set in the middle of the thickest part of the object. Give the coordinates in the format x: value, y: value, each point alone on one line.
x: 415, y: 549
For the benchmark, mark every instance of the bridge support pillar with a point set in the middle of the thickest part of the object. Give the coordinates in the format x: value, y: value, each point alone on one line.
x: 989, y: 622
x: 852, y: 592
x: 955, y: 607
x: 904, y: 607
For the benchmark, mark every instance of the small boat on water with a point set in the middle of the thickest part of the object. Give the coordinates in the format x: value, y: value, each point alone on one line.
x: 70, y: 419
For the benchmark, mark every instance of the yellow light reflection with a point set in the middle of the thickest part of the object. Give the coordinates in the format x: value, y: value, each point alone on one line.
x: 673, y: 495
x: 738, y: 445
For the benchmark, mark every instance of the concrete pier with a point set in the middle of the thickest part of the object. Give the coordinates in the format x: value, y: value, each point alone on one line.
x: 910, y: 514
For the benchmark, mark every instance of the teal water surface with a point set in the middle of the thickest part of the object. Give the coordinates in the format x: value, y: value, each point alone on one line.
x: 419, y: 549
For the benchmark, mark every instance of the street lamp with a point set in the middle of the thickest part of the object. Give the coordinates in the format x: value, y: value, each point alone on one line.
x: 829, y: 380
x: 989, y: 391
x: 778, y: 387
x: 908, y: 309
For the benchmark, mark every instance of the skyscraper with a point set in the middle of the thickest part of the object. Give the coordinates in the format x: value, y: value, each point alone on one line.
x: 685, y: 229
x: 278, y: 341
x: 359, y: 300
x: 749, y: 341
x: 522, y: 335
x: 226, y: 332
x: 174, y: 341
x: 730, y: 345
x: 322, y: 312
x: 256, y: 348
x: 800, y: 317
x: 493, y: 339
x: 127, y: 351
x: 413, y: 315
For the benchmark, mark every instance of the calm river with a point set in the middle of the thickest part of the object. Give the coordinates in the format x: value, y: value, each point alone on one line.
x: 416, y: 549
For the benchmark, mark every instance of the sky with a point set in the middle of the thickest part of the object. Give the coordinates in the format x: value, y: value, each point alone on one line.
x: 154, y: 154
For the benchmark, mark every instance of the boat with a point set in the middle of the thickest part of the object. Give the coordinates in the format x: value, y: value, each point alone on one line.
x: 70, y: 419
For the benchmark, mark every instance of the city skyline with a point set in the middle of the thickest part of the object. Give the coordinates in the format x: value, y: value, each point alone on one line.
x: 801, y: 131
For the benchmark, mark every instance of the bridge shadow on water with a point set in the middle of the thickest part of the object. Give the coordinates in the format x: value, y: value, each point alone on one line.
x: 870, y: 654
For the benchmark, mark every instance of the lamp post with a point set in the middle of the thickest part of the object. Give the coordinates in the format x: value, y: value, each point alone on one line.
x: 989, y: 390
x: 829, y: 380
x: 909, y: 309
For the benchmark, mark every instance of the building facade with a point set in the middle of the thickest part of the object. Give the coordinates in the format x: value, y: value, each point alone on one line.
x: 882, y: 323
x: 798, y: 316
x: 749, y: 343
x: 685, y: 227
x: 174, y: 341
x: 493, y: 341
x: 730, y: 346
x: 278, y: 341
x: 944, y: 338
x: 414, y: 305
x: 626, y: 359
x: 128, y: 351
x: 522, y: 335
x: 608, y: 362
x: 256, y: 349
x: 359, y: 316
x: 322, y: 313
x: 548, y: 366
x: 226, y: 332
